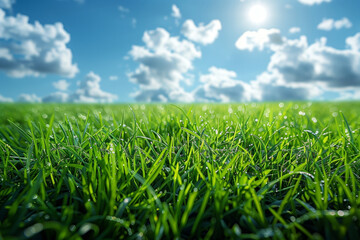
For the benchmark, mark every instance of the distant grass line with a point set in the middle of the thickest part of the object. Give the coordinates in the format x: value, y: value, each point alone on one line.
x: 203, y: 171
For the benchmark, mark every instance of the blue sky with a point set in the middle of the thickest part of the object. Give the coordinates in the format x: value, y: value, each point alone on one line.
x: 179, y: 51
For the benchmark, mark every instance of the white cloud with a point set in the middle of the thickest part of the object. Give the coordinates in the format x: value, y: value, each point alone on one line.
x: 343, y: 23
x: 330, y: 24
x: 58, y: 97
x: 113, y: 78
x: 61, y: 85
x: 6, y: 4
x: 163, y: 95
x: 298, y: 65
x: 164, y: 62
x: 175, y: 12
x: 220, y: 85
x: 354, y: 42
x: 270, y: 86
x: 34, y: 49
x: 313, y: 2
x: 88, y: 91
x: 259, y: 39
x: 294, y: 30
x: 5, y: 99
x: 326, y: 24
x: 349, y: 95
x: 299, y: 62
x: 204, y: 34
x: 29, y: 98
x: 5, y: 54
x: 297, y: 70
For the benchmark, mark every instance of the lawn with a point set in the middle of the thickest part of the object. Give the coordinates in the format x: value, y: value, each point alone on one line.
x: 207, y: 171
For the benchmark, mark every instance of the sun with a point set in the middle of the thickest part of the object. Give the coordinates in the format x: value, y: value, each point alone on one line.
x: 258, y: 14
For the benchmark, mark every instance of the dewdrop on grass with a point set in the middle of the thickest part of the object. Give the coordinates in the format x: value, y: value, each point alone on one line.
x: 302, y: 113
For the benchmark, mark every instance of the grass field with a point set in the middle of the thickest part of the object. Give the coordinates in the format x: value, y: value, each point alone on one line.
x: 240, y: 171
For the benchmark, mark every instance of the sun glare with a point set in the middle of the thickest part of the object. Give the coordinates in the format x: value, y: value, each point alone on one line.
x: 258, y: 14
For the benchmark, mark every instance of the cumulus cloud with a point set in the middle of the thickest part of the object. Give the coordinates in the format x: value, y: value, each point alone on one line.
x: 61, y: 85
x: 297, y: 64
x: 354, y: 42
x: 260, y: 39
x: 269, y: 86
x: 313, y: 2
x: 330, y: 24
x: 175, y: 12
x: 297, y: 69
x: 204, y: 34
x: 294, y: 30
x: 58, y: 97
x: 29, y: 98
x: 220, y: 85
x: 88, y: 91
x: 5, y: 99
x: 163, y: 95
x: 6, y: 4
x: 163, y: 63
x: 34, y: 49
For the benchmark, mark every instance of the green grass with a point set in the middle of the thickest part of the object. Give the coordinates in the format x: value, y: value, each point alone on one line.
x: 250, y: 171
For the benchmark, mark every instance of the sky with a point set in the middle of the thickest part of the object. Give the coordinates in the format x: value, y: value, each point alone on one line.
x: 179, y: 50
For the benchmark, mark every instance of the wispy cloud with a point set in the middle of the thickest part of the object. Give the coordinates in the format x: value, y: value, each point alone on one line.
x: 175, y: 12
x: 313, y: 2
x: 29, y: 98
x: 113, y: 78
x: 6, y: 4
x: 123, y: 9
x: 5, y: 99
x: 294, y: 30
x: 133, y: 22
x: 330, y: 24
